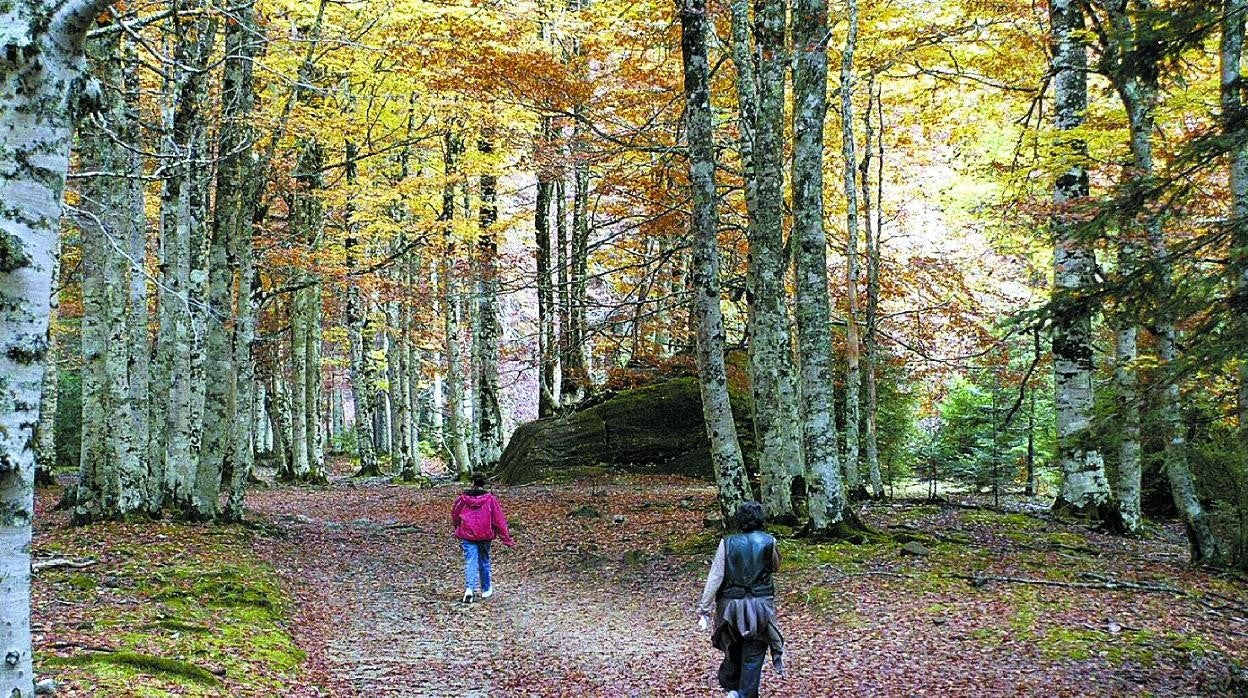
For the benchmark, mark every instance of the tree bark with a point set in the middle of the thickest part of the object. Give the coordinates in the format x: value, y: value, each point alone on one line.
x: 853, y: 373
x: 1235, y: 126
x: 183, y: 222
x: 827, y: 501
x: 489, y: 411
x: 726, y: 459
x: 455, y: 426
x: 548, y: 351
x: 40, y: 77
x: 870, y: 345
x: 1085, y: 488
x: 358, y: 337
x: 1136, y: 77
x: 236, y: 214
x: 776, y: 421
x: 307, y: 222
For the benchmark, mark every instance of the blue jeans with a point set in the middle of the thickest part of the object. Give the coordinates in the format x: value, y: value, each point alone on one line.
x: 476, y: 564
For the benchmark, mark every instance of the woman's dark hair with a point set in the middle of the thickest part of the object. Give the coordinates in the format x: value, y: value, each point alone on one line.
x: 478, y: 481
x: 749, y: 517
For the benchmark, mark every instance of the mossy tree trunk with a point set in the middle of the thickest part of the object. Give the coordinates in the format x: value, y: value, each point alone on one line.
x: 726, y: 459
x: 827, y: 501
x: 776, y: 423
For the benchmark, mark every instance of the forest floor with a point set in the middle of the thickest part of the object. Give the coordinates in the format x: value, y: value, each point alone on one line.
x: 354, y: 590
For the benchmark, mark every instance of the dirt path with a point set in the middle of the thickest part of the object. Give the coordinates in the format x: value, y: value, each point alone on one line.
x: 378, y: 576
x: 591, y: 606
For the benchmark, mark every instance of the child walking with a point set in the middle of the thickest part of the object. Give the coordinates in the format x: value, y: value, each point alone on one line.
x: 478, y: 519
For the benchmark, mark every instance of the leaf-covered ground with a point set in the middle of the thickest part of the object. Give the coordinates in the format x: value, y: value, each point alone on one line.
x: 598, y: 600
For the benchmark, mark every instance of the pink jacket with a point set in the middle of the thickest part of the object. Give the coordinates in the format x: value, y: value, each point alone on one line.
x: 477, y: 516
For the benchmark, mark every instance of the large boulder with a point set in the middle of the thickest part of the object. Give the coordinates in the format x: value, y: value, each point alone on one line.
x: 653, y: 428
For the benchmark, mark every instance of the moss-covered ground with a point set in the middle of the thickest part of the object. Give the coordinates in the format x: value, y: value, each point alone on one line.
x: 163, y: 609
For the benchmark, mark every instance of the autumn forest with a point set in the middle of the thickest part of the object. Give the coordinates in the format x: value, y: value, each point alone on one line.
x: 957, y: 292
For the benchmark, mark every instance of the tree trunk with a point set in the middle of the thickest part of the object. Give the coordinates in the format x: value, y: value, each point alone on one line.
x: 456, y: 429
x: 358, y: 337
x: 1231, y: 52
x: 114, y: 474
x: 103, y: 220
x: 871, y: 340
x: 237, y: 171
x: 138, y: 341
x: 547, y: 340
x: 827, y: 502
x: 183, y: 233
x: 227, y: 429
x: 1137, y: 82
x: 576, y: 380
x: 563, y: 290
x: 726, y: 457
x: 40, y: 63
x: 1085, y: 489
x: 489, y: 412
x: 45, y: 432
x: 776, y: 421
x: 853, y: 374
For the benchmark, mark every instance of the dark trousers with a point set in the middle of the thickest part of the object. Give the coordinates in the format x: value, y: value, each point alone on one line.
x: 742, y: 668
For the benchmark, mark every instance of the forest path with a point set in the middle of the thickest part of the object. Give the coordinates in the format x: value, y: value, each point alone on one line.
x: 377, y: 576
x: 595, y: 606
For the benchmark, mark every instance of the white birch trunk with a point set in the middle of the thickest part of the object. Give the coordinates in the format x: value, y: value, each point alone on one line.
x: 1138, y: 86
x: 489, y: 410
x: 41, y: 69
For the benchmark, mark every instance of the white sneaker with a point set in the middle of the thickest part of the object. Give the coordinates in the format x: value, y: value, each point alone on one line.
x: 467, y: 595
x: 733, y: 694
x: 487, y: 593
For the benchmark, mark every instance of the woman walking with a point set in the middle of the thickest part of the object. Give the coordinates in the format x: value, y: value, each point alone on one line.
x: 478, y: 519
x: 740, y: 590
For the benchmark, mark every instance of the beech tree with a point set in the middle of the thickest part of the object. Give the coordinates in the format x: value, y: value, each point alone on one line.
x: 814, y: 322
x: 1085, y: 488
x: 726, y: 460
x: 42, y: 85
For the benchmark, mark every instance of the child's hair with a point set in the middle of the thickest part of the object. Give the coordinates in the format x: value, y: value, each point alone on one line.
x: 749, y: 517
x: 478, y: 481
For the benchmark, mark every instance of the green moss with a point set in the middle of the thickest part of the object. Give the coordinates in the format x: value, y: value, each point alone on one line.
x: 916, y: 513
x: 178, y: 626
x: 797, y: 554
x: 82, y: 582
x: 1003, y: 521
x: 700, y: 543
x: 1066, y: 539
x: 141, y: 664
x: 213, y: 605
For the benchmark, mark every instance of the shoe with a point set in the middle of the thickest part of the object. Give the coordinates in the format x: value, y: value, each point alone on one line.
x: 487, y: 593
x: 733, y: 694
x: 467, y: 595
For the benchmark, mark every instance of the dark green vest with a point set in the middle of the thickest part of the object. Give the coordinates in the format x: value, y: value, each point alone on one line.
x: 748, y: 566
